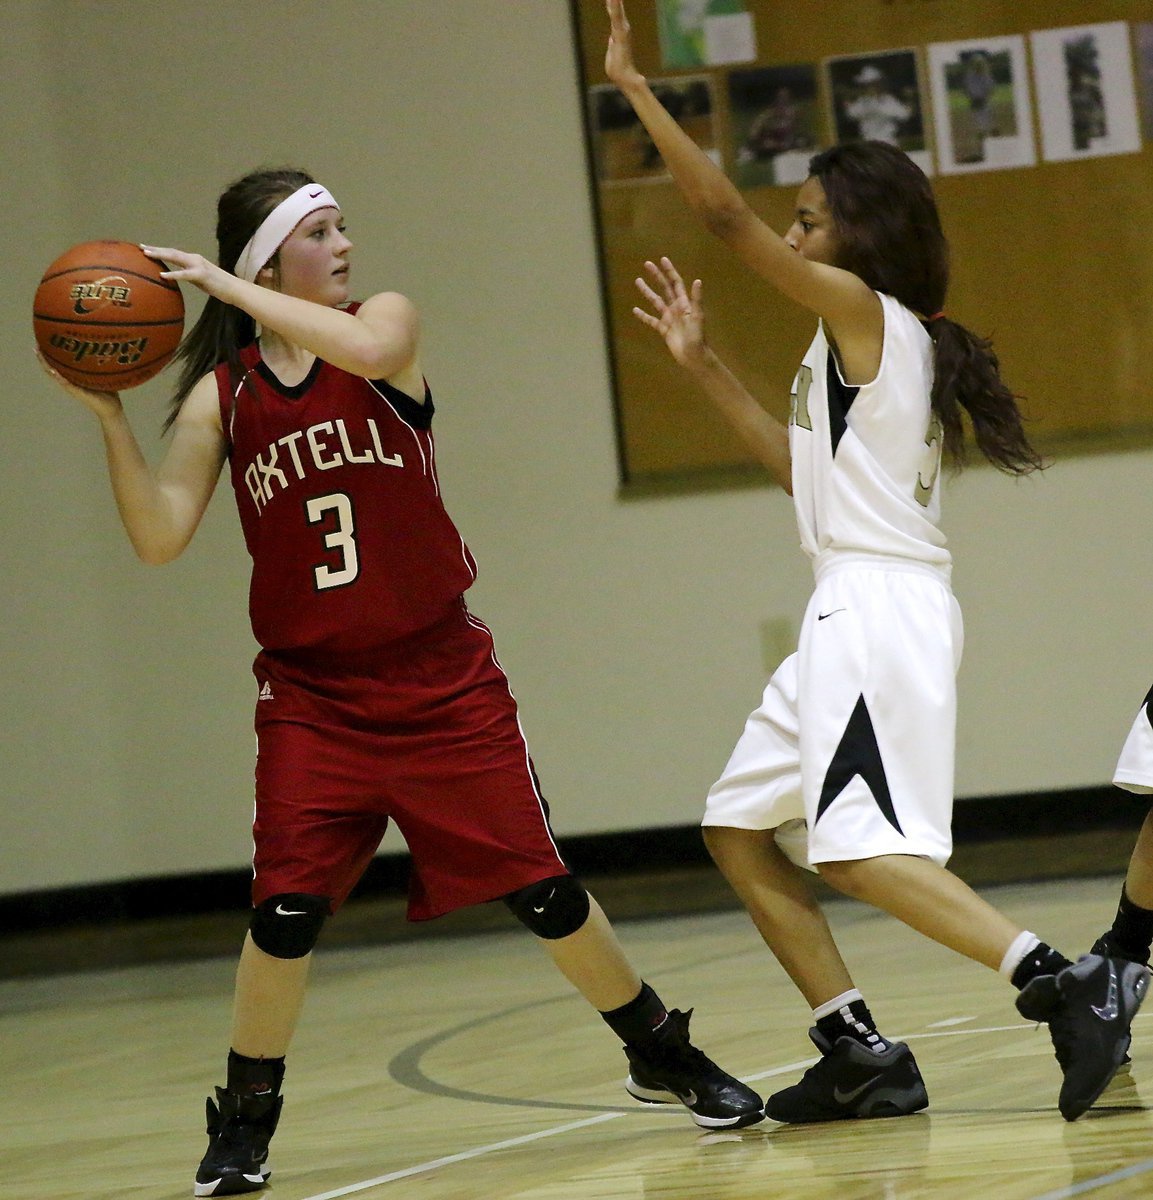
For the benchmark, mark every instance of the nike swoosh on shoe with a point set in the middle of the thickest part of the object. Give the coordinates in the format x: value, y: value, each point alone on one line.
x: 1109, y: 1011
x: 848, y: 1097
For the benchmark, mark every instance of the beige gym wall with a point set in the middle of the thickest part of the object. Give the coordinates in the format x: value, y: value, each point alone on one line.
x: 451, y: 132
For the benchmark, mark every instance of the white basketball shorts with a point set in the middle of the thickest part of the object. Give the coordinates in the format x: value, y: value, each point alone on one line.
x: 1134, y: 770
x: 850, y: 754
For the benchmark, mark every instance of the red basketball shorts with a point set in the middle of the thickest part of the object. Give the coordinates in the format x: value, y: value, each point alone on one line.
x: 424, y: 733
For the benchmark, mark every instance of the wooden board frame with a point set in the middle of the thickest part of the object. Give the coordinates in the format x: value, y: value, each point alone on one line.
x: 1052, y: 259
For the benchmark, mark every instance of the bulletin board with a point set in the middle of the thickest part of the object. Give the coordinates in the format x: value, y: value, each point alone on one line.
x: 1034, y: 121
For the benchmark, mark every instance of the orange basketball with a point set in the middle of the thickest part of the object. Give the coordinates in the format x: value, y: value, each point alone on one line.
x: 104, y: 318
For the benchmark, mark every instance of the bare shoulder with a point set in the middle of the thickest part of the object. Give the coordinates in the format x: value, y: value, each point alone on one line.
x: 856, y: 324
x: 393, y: 319
x: 389, y: 306
x: 201, y: 408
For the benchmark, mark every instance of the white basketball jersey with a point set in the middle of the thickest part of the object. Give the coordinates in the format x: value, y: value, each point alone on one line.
x: 866, y: 458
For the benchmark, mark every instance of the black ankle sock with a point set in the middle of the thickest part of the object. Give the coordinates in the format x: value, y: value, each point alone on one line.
x: 254, y: 1076
x: 1041, y: 960
x: 636, y: 1022
x: 855, y: 1021
x: 1132, y: 932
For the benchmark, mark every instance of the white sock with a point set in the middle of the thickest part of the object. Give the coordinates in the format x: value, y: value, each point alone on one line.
x: 1024, y: 943
x: 831, y: 1006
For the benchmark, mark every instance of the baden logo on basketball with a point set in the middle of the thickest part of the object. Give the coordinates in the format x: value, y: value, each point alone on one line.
x: 104, y: 316
x: 96, y: 294
x: 101, y: 353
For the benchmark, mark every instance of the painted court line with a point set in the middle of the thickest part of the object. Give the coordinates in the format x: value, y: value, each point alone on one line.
x: 1091, y: 1185
x: 464, y: 1155
x: 480, y: 1151
x: 787, y: 1069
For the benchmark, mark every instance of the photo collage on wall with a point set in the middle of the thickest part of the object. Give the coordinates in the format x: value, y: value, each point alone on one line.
x: 953, y: 107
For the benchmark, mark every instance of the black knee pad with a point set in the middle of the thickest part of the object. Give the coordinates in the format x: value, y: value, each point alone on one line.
x: 551, y: 909
x: 288, y: 926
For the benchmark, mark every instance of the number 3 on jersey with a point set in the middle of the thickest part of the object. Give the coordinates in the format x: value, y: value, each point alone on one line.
x: 335, y: 512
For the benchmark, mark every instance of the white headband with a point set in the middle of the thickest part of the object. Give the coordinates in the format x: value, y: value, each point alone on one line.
x: 277, y: 227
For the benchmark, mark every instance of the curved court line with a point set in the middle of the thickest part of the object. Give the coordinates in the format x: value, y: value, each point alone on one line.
x: 409, y: 1069
x: 405, y: 1066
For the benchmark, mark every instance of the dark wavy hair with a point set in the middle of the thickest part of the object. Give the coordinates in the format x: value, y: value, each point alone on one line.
x: 222, y: 330
x: 889, y: 234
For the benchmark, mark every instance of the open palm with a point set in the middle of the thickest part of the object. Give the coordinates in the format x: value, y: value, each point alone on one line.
x: 677, y: 314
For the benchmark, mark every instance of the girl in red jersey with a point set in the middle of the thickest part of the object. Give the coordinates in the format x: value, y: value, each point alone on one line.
x: 379, y: 695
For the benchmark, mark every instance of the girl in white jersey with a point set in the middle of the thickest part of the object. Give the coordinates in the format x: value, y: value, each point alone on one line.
x: 846, y: 768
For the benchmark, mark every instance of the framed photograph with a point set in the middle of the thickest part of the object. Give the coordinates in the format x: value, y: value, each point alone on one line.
x: 981, y: 108
x: 705, y: 33
x: 623, y: 152
x: 877, y: 97
x: 775, y: 124
x: 967, y: 99
x: 1085, y: 91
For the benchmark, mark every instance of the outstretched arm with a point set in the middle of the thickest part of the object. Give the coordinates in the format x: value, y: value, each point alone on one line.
x: 827, y: 291
x: 678, y: 317
x: 160, y: 509
x: 379, y: 342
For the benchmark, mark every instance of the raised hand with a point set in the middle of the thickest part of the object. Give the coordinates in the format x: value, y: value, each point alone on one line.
x: 619, y: 65
x: 677, y: 315
x: 680, y: 319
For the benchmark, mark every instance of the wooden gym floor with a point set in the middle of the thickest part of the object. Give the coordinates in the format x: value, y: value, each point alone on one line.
x: 459, y: 1066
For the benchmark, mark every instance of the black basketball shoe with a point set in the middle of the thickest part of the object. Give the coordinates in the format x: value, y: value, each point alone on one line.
x: 1088, y: 1007
x: 1108, y: 948
x: 239, y: 1131
x: 672, y: 1070
x: 850, y: 1080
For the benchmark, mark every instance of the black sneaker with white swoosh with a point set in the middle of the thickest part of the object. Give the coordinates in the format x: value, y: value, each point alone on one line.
x: 1107, y: 946
x: 239, y: 1130
x: 851, y: 1081
x: 1089, y: 1007
x: 672, y: 1070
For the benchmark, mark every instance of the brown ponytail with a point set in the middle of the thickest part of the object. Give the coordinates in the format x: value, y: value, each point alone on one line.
x: 890, y: 236
x: 968, y: 377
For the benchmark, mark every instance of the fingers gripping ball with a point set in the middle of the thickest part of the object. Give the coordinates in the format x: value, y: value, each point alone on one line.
x: 104, y: 318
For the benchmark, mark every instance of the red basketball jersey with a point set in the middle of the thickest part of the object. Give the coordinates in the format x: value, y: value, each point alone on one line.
x: 336, y: 484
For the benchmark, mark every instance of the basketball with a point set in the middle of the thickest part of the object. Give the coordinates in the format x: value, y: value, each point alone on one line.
x: 104, y: 318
